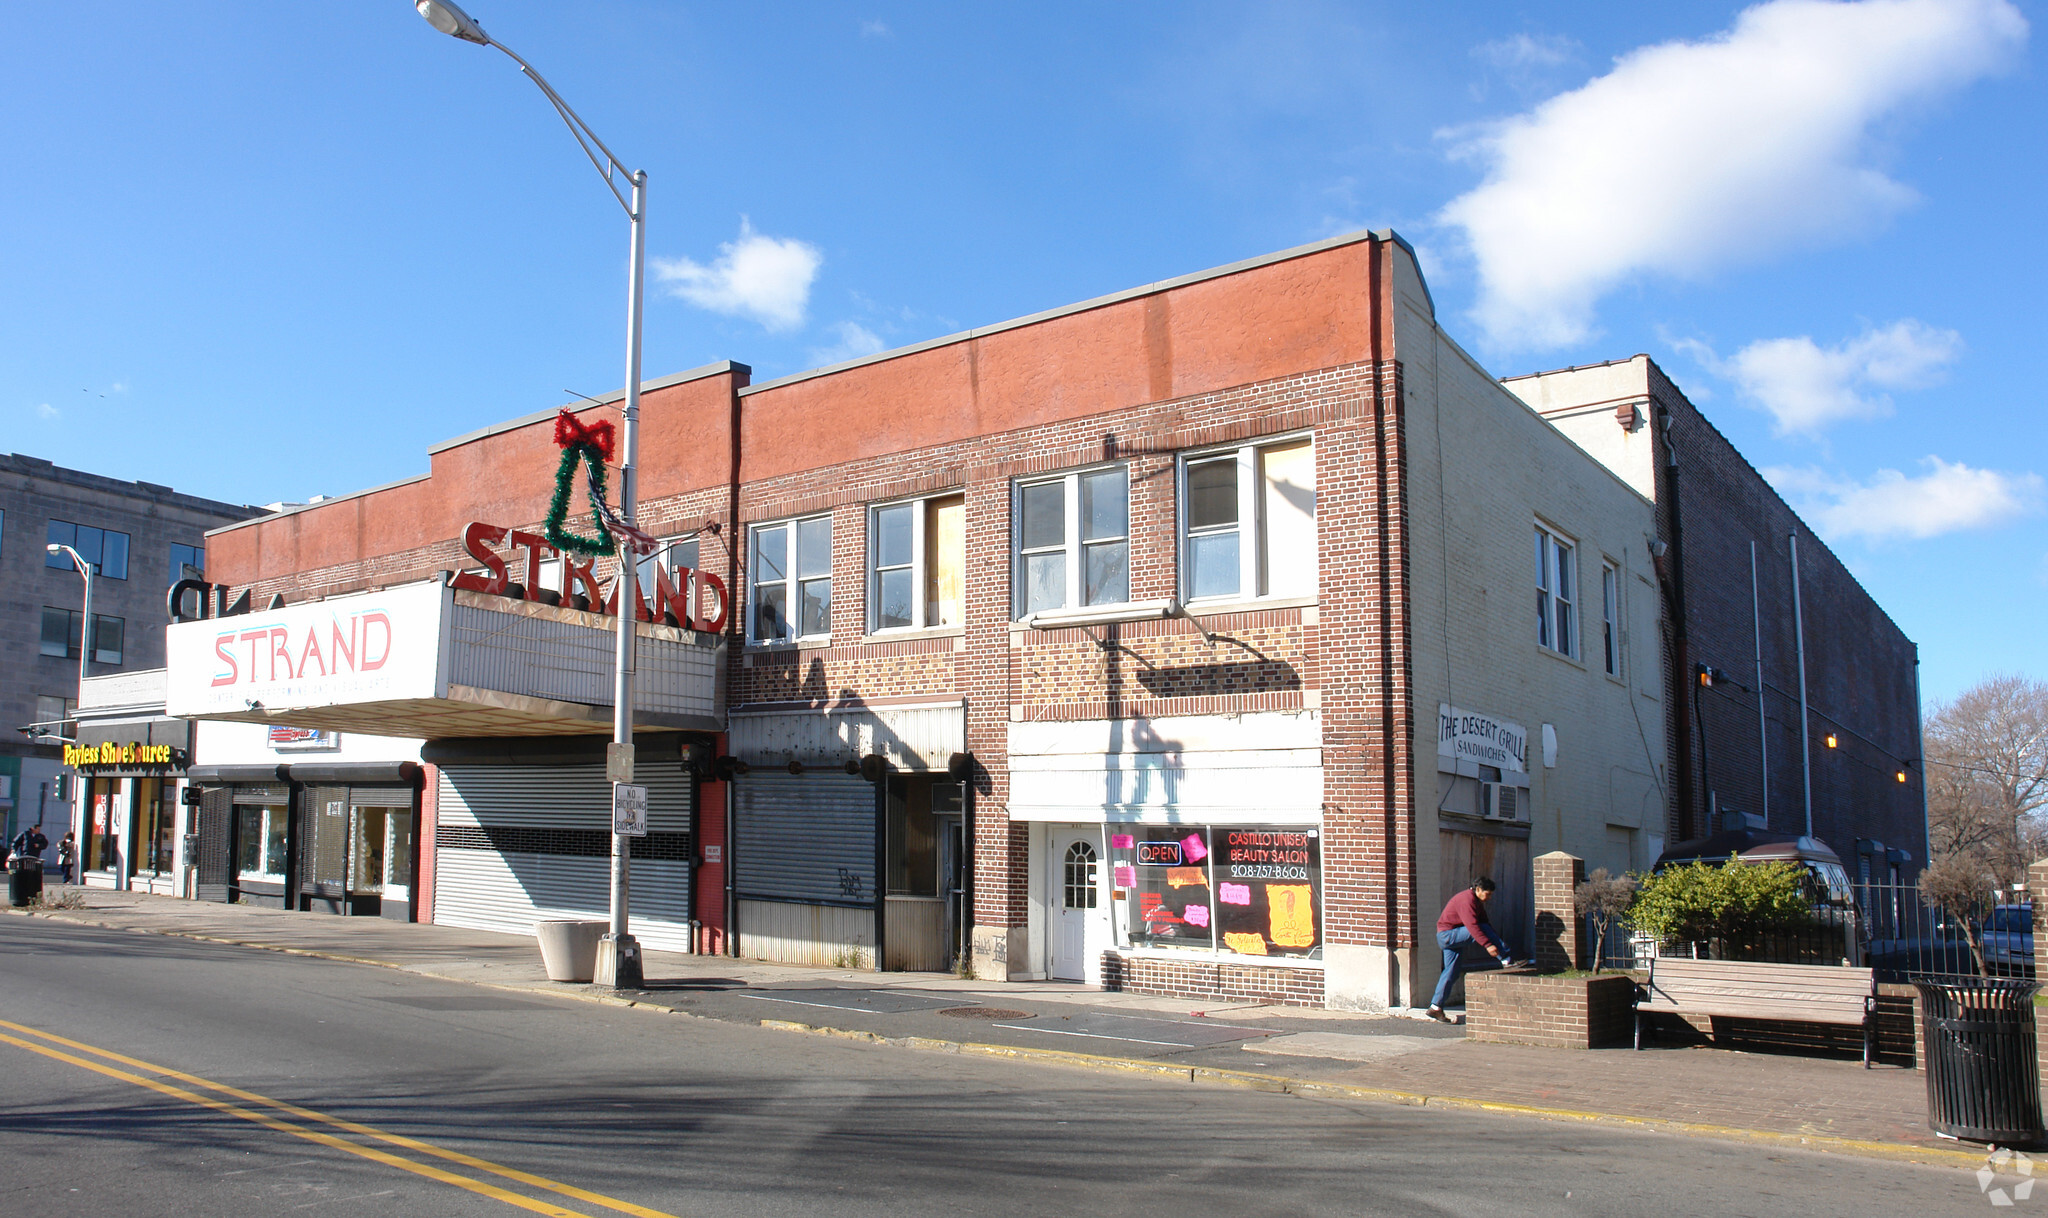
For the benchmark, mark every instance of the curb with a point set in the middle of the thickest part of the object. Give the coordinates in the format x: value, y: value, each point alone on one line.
x: 1249, y: 1080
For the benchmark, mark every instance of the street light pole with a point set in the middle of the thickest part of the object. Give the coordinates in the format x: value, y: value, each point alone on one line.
x: 78, y: 815
x: 618, y: 954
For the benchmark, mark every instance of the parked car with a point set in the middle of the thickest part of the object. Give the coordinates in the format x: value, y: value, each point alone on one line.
x: 2009, y: 941
x: 1946, y: 950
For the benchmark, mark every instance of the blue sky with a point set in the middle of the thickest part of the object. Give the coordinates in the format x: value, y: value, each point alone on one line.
x: 265, y: 252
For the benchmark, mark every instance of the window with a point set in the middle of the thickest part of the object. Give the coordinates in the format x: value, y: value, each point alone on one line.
x: 1250, y: 522
x: 1073, y: 541
x: 105, y: 549
x: 260, y: 844
x: 1555, y: 595
x: 1080, y: 876
x: 1250, y: 890
x: 917, y: 555
x: 187, y: 562
x: 1610, y: 620
x: 53, y: 714
x: 792, y: 574
x: 61, y: 628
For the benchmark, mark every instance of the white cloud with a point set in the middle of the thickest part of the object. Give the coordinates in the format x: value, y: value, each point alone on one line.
x: 855, y: 340
x: 1525, y: 51
x: 765, y: 278
x: 874, y: 29
x: 1949, y: 498
x: 46, y: 411
x: 1806, y: 386
x: 1689, y: 156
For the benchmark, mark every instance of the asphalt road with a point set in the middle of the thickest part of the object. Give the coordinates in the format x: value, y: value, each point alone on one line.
x: 144, y: 1075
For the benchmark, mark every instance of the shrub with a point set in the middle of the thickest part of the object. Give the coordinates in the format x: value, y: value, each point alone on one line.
x: 1737, y: 904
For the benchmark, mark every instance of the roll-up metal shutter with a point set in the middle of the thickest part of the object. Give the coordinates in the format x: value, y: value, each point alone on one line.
x: 514, y: 845
x: 808, y: 838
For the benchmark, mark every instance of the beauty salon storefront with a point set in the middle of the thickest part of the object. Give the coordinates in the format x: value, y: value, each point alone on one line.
x: 1175, y: 853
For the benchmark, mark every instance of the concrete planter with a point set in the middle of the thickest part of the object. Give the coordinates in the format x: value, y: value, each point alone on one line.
x: 1561, y: 1012
x: 569, y: 949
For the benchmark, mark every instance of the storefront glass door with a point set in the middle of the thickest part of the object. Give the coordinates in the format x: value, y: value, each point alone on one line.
x: 381, y: 854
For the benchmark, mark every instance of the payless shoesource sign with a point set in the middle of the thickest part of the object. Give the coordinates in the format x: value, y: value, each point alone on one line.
x: 1469, y: 736
x: 132, y: 753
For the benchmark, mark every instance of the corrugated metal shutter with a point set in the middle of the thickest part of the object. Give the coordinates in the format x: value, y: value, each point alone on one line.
x: 517, y: 844
x: 808, y: 838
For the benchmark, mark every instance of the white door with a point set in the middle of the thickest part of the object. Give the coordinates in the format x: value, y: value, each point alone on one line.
x: 1079, y: 906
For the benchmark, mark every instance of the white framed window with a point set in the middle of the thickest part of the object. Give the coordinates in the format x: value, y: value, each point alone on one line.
x: 673, y: 553
x: 1072, y: 541
x: 1249, y: 521
x: 1556, y: 592
x: 1610, y: 620
x: 917, y: 564
x: 789, y: 580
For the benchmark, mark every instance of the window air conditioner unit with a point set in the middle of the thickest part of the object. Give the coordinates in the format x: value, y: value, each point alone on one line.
x: 1499, y: 801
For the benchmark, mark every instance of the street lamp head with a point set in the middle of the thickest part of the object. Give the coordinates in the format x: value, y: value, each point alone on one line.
x: 452, y: 21
x: 54, y: 548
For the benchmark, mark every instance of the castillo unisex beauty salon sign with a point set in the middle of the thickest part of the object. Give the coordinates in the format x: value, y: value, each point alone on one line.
x: 1470, y: 736
x: 370, y: 647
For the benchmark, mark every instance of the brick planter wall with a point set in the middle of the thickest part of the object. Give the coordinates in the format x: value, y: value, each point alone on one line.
x: 1297, y: 987
x: 1561, y: 1012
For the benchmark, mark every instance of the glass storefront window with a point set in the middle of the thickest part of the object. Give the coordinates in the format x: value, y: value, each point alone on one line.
x: 1249, y: 890
x: 260, y: 841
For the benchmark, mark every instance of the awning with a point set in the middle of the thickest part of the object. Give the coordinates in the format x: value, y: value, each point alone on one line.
x: 426, y: 661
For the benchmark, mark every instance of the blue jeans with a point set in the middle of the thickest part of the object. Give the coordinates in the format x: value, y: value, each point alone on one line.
x: 1454, y: 941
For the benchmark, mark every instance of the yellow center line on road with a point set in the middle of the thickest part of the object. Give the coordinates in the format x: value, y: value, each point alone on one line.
x: 314, y: 1135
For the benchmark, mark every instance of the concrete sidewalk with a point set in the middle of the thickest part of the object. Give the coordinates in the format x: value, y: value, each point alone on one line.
x: 1816, y: 1103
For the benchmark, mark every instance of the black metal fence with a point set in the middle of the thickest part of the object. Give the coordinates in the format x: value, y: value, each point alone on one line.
x: 1886, y: 927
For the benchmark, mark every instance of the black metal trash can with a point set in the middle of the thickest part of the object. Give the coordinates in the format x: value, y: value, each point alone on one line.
x: 1983, y: 1075
x: 24, y: 880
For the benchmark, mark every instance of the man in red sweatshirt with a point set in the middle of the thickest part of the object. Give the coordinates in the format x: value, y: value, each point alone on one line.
x: 1463, y: 921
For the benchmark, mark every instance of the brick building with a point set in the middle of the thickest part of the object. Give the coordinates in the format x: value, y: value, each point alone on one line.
x: 1853, y: 777
x: 140, y: 536
x: 1178, y: 640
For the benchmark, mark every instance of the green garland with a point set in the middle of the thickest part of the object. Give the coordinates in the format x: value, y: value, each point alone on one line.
x: 587, y: 446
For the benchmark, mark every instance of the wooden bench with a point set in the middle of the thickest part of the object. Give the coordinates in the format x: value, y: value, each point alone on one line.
x: 1802, y: 993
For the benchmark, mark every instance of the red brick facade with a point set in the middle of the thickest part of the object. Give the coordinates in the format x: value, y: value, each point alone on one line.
x: 1297, y: 344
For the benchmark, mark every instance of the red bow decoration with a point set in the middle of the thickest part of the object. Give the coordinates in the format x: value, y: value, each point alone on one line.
x: 570, y: 432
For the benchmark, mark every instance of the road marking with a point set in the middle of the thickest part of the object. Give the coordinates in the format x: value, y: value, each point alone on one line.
x: 324, y: 1139
x: 1136, y: 1040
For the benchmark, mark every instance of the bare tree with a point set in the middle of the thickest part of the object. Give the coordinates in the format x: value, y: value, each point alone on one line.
x: 1959, y: 883
x: 1605, y: 900
x: 1987, y: 775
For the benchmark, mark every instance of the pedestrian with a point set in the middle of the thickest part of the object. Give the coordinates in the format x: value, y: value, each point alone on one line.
x: 1462, y: 923
x: 67, y: 854
x: 31, y: 841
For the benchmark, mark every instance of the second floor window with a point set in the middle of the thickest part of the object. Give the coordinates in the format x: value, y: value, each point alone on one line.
x: 105, y: 549
x: 791, y: 580
x: 187, y: 562
x: 1073, y: 545
x: 917, y: 563
x: 62, y: 629
x: 1250, y: 522
x: 1610, y: 620
x: 1556, y: 593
